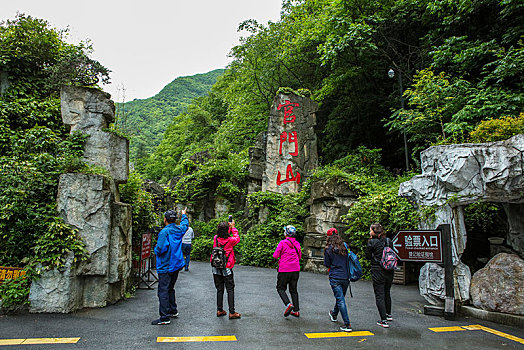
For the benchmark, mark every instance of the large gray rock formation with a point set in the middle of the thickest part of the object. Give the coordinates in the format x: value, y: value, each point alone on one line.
x: 90, y: 111
x: 329, y: 200
x: 90, y: 203
x: 431, y: 283
x: 499, y: 286
x: 286, y: 154
x: 454, y: 176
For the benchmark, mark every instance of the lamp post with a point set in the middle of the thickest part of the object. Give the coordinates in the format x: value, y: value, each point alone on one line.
x: 391, y: 74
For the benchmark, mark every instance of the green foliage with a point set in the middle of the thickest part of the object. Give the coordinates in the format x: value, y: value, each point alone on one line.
x: 259, y: 243
x: 57, y: 241
x: 144, y: 216
x: 36, y: 62
x: 384, y: 206
x: 203, y: 241
x: 28, y: 212
x: 498, y: 129
x: 223, y: 176
x: 15, y: 293
x: 458, y: 69
x: 35, y: 147
x: 377, y: 192
x: 145, y: 121
x: 360, y: 170
x: 483, y: 217
x: 473, y: 72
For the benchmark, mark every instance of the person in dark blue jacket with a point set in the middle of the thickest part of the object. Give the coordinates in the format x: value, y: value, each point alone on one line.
x: 336, y: 260
x: 169, y: 262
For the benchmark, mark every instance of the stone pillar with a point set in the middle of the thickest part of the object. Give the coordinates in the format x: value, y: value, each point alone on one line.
x: 90, y: 203
x: 291, y: 144
x: 328, y: 202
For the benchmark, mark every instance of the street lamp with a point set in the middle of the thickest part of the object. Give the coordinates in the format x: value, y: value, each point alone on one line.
x: 391, y: 74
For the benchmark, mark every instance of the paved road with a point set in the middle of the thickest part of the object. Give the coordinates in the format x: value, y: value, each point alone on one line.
x: 126, y: 325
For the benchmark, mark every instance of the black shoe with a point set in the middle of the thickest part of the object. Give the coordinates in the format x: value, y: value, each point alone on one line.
x: 389, y: 318
x: 383, y: 324
x: 160, y: 322
x: 346, y: 328
x: 332, y: 316
x: 288, y: 310
x: 174, y: 314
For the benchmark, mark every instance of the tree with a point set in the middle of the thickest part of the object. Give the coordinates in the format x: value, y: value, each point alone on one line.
x: 37, y: 62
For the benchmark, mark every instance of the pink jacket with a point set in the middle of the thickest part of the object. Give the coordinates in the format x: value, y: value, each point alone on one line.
x: 286, y: 252
x: 228, y: 243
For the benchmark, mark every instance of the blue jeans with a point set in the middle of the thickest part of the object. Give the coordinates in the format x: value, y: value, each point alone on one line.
x: 166, y: 294
x: 340, y: 288
x: 186, y: 250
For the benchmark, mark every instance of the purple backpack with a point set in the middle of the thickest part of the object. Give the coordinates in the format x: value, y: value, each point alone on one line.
x: 389, y: 258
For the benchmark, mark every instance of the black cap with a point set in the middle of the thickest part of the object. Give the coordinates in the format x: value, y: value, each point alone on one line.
x: 170, y: 215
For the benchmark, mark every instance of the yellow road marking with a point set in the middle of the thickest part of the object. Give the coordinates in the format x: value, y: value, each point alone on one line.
x: 477, y: 327
x: 11, y: 341
x: 195, y: 339
x: 500, y: 334
x: 338, y: 334
x: 39, y: 341
x: 447, y: 329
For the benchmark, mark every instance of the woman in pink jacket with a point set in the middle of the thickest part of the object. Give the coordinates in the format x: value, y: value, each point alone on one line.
x: 226, y: 237
x: 288, y: 253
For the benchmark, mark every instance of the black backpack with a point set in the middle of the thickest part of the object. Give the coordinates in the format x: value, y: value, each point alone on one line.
x: 219, y: 256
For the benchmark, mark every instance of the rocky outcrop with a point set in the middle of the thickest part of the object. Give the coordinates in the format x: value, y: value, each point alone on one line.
x: 431, y: 283
x: 454, y: 176
x: 329, y: 200
x: 90, y: 203
x: 466, y: 173
x: 286, y: 154
x: 499, y: 286
x: 90, y: 111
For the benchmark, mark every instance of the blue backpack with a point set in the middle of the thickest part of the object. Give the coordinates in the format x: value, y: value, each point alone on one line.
x: 355, y: 270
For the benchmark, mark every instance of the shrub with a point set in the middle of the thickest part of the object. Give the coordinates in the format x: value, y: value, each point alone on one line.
x: 498, y: 129
x: 256, y: 247
x: 15, y: 293
x: 144, y: 216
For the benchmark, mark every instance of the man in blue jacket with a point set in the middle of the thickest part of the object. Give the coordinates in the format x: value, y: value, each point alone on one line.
x: 169, y: 262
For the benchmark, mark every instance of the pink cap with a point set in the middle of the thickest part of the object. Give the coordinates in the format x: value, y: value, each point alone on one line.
x: 332, y: 231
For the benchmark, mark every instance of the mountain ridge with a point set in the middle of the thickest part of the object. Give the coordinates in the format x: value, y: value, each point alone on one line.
x: 146, y: 120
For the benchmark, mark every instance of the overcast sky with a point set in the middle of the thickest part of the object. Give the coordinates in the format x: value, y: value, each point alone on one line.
x: 147, y: 44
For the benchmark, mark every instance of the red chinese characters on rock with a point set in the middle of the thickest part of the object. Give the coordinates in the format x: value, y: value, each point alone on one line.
x: 290, y: 137
x: 289, y: 117
x: 289, y: 176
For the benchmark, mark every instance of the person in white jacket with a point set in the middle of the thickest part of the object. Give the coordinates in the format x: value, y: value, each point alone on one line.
x: 186, y: 246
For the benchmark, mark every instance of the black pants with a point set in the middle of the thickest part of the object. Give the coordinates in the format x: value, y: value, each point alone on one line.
x: 229, y: 283
x: 382, y: 281
x: 166, y: 294
x: 283, y: 280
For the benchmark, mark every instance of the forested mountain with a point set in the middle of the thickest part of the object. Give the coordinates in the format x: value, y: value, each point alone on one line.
x: 146, y: 120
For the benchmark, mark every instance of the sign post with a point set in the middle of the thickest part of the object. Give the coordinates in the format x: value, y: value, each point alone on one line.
x: 430, y: 246
x: 146, y: 275
x: 449, y: 306
x: 418, y: 246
